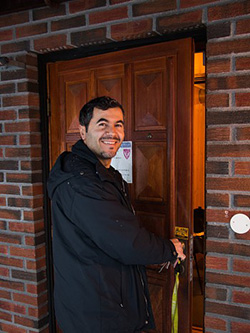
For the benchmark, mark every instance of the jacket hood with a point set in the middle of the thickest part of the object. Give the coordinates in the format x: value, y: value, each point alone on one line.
x: 61, y: 172
x: 57, y: 174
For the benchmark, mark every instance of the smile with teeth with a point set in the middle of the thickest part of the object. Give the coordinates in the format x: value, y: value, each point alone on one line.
x: 109, y: 141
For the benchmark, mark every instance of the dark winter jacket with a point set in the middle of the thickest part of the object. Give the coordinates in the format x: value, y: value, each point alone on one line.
x: 99, y: 249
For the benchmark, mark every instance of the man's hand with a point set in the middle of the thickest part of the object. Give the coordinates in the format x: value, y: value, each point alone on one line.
x: 179, y: 247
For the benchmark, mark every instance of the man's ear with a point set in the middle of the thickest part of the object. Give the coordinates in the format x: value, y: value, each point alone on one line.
x: 82, y: 130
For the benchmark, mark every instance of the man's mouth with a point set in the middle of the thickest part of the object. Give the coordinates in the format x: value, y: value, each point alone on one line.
x: 109, y: 141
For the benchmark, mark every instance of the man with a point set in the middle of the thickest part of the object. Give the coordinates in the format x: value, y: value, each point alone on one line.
x: 99, y: 249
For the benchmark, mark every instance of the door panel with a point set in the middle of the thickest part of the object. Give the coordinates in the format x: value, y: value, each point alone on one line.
x: 154, y: 85
x: 150, y: 161
x: 150, y: 88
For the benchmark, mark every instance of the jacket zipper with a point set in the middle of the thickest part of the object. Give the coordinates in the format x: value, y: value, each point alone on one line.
x: 143, y: 286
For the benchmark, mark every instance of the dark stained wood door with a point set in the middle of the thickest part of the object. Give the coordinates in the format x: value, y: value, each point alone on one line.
x: 154, y: 84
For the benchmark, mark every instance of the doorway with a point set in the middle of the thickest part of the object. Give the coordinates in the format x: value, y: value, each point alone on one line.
x: 198, y: 192
x: 155, y: 85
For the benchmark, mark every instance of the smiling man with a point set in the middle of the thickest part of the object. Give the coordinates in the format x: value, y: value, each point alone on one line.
x: 99, y: 249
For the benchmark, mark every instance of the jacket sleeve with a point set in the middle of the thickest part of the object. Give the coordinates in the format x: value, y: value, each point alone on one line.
x: 115, y: 229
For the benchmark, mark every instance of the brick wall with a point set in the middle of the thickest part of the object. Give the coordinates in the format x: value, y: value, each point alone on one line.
x: 23, y: 297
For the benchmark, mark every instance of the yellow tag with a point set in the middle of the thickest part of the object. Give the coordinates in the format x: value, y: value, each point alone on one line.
x: 181, y: 233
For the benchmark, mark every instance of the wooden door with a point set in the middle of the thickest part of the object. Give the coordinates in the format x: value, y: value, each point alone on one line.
x: 154, y: 84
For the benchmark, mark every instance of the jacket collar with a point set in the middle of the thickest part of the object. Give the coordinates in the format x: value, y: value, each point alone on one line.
x: 81, y: 150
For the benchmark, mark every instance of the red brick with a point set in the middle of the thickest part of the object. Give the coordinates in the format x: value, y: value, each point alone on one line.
x: 28, y: 99
x: 215, y: 167
x: 26, y: 203
x: 218, y: 30
x: 25, y: 299
x: 241, y: 297
x: 34, y: 241
x: 28, y: 86
x: 11, y: 261
x: 37, y: 264
x: 12, y: 328
x: 228, y: 10
x: 7, y: 140
x: 243, y: 133
x: 131, y: 29
x: 167, y: 23
x: 242, y: 99
x: 50, y: 43
x: 243, y: 27
x: 4, y: 249
x: 243, y: 237
x: 217, y: 100
x: 29, y: 114
x: 30, y: 139
x: 218, y: 65
x: 237, y: 327
x: 240, y: 265
x: 228, y: 248
x: 5, y: 316
x: 218, y: 134
x: 7, y: 284
x: 217, y: 199
x: 9, y: 238
x: 6, y: 88
x: 45, y: 13
x: 37, y: 288
x: 78, y: 6
x: 22, y: 152
x: 31, y: 30
x: 3, y: 225
x: 9, y: 189
x: 218, y: 263
x: 69, y: 23
x: 30, y: 59
x: 216, y: 323
x: 242, y: 168
x: 151, y: 7
x: 242, y: 63
x: 24, y: 321
x: 15, y: 47
x: 8, y: 115
x: 10, y: 214
x: 33, y: 215
x: 227, y: 310
x: 22, y: 227
x: 229, y: 82
x: 108, y: 15
x: 4, y: 272
x: 14, y: 18
x: 24, y: 253
x: 32, y: 190
x: 38, y: 312
x: 221, y: 215
x: 226, y: 47
x: 6, y: 35
x: 5, y: 294
x: 2, y: 201
x: 31, y: 165
x: 24, y: 177
x: 242, y: 200
x: 24, y: 126
x: 14, y: 75
x: 232, y: 150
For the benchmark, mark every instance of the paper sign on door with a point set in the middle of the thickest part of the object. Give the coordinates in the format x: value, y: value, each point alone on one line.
x: 123, y: 161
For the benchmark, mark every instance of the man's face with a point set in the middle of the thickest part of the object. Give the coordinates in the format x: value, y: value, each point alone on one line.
x: 105, y: 133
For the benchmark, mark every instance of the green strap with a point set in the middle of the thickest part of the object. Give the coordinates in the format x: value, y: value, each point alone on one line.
x: 174, y: 308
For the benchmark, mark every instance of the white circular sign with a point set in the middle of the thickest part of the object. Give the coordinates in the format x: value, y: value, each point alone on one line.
x: 240, y: 223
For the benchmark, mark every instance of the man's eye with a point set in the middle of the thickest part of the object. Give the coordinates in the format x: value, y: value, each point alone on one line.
x: 102, y: 124
x: 119, y: 125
